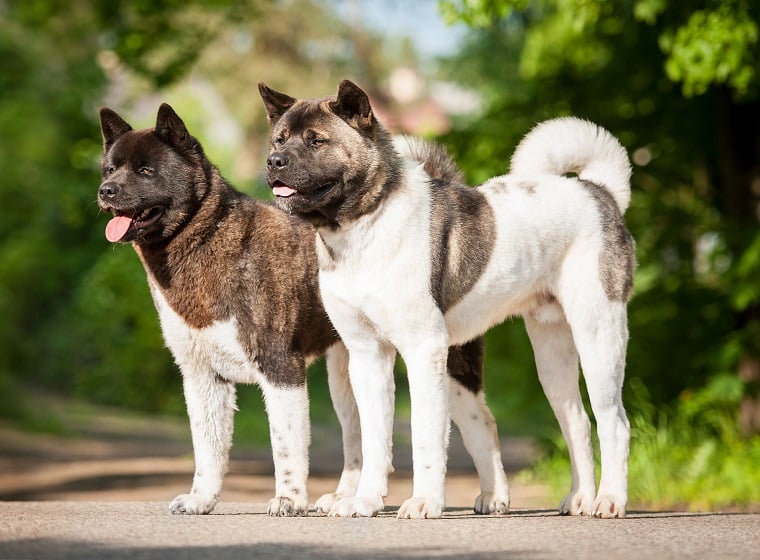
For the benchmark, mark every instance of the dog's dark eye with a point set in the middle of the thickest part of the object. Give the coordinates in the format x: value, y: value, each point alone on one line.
x: 280, y: 140
x: 145, y: 170
x: 317, y: 141
x: 109, y: 170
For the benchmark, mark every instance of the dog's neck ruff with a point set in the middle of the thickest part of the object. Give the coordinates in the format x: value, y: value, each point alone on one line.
x: 384, y: 227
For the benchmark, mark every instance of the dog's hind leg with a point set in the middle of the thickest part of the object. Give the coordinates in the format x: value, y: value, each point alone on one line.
x: 290, y: 434
x: 477, y: 426
x: 557, y: 365
x: 601, y: 335
x: 344, y: 404
x: 210, y: 406
x: 469, y: 411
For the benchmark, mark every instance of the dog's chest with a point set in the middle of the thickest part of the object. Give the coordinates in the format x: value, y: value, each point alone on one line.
x: 214, y: 349
x: 370, y: 270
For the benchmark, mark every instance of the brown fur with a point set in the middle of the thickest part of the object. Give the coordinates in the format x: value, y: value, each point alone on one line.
x: 337, y: 179
x: 220, y: 254
x: 617, y: 261
x: 460, y: 259
x: 214, y: 255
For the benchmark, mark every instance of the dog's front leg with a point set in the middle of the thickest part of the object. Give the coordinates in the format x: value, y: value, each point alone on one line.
x: 210, y: 406
x: 344, y: 404
x: 290, y: 435
x: 371, y: 374
x: 429, y: 392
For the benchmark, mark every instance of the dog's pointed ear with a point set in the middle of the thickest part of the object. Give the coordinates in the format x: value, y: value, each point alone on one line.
x: 352, y: 105
x: 276, y: 103
x: 172, y: 130
x: 112, y: 127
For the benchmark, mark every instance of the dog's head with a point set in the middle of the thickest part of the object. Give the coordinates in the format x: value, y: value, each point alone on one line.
x: 328, y: 157
x: 152, y: 179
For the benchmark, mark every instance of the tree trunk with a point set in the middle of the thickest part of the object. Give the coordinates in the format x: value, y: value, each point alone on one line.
x: 738, y: 151
x: 749, y: 410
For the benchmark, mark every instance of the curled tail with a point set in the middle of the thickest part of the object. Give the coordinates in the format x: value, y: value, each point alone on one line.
x: 435, y: 160
x: 571, y: 145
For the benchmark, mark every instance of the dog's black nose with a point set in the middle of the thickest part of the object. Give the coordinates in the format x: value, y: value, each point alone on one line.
x: 108, y: 190
x: 277, y: 161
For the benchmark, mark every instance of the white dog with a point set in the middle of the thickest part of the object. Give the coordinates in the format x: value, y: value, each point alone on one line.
x: 411, y: 266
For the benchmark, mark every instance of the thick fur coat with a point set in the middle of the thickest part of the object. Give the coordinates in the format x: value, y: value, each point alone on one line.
x: 410, y: 266
x: 234, y: 281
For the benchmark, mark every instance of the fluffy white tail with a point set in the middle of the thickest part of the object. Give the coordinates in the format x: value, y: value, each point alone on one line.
x: 571, y: 145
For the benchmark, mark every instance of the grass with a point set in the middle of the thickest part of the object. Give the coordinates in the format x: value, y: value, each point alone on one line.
x: 691, y: 456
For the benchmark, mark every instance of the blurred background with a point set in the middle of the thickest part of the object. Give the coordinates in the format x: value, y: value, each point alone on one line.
x: 81, y: 354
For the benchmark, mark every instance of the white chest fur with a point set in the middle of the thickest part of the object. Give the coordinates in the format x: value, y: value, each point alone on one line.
x: 215, y: 349
x: 374, y: 261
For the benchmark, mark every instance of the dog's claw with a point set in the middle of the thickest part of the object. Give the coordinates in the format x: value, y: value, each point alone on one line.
x: 420, y: 508
x: 192, y: 504
x: 356, y: 507
x: 487, y: 504
x: 283, y: 506
x: 576, y: 503
x: 607, y: 507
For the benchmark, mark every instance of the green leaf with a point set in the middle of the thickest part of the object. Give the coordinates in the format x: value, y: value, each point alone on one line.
x: 713, y: 47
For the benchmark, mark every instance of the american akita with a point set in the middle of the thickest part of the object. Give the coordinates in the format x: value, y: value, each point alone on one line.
x: 406, y: 265
x: 234, y: 281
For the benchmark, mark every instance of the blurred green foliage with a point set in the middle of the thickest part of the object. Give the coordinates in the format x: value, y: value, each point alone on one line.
x: 715, y: 46
x: 77, y: 314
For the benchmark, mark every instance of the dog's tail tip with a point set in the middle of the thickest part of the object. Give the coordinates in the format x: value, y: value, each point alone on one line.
x: 569, y: 145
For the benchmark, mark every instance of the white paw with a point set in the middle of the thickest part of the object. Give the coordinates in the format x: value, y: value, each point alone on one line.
x: 356, y: 507
x: 606, y: 506
x: 193, y: 504
x: 284, y: 506
x: 420, y: 508
x: 487, y: 503
x: 576, y: 503
x: 326, y: 502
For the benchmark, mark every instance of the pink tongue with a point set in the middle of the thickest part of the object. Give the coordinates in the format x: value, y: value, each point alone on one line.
x: 117, y: 228
x: 283, y: 191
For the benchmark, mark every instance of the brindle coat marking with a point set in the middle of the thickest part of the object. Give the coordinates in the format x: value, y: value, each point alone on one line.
x: 462, y: 228
x: 617, y: 261
x: 234, y: 281
x: 303, y: 131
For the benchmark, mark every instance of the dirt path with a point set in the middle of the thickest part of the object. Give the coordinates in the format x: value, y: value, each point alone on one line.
x: 146, y: 531
x: 117, y: 457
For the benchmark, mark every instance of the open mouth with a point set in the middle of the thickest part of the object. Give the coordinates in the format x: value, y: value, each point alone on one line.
x: 124, y: 222
x: 282, y: 190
